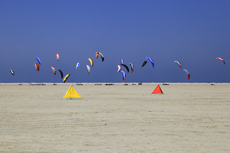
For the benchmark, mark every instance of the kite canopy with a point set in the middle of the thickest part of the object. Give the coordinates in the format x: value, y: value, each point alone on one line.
x: 219, y: 58
x: 58, y: 57
x: 60, y: 73
x: 186, y: 71
x: 65, y: 78
x: 122, y: 61
x: 91, y: 62
x: 39, y: 61
x: 99, y: 53
x: 132, y: 67
x: 118, y: 68
x: 77, y: 65
x: 123, y: 75
x: 54, y: 70
x: 11, y: 71
x: 126, y: 67
x: 88, y: 68
x: 144, y: 63
x: 37, y: 66
x: 150, y: 60
x: 178, y: 64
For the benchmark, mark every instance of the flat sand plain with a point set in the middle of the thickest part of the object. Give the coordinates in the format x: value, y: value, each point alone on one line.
x: 187, y: 118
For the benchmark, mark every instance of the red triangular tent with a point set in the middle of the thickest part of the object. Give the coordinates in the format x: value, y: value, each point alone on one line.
x: 157, y: 90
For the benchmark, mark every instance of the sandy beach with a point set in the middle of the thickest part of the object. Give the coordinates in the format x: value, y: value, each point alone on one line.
x: 187, y: 118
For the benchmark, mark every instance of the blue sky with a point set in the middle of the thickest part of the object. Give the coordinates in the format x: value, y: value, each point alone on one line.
x: 193, y: 32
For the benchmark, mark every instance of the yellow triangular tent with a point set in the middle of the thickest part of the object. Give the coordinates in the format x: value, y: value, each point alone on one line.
x: 72, y: 93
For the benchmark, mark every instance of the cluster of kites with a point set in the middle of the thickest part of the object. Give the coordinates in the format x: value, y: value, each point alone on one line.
x: 144, y: 63
x: 77, y: 65
x: 186, y: 71
x: 126, y: 67
x: 132, y: 67
x: 38, y: 63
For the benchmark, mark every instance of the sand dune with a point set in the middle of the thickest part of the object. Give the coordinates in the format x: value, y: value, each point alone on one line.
x: 186, y: 118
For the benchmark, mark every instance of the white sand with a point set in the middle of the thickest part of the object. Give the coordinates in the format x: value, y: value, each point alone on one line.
x: 188, y: 118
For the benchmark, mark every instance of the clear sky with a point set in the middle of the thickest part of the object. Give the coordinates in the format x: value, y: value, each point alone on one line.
x: 194, y: 32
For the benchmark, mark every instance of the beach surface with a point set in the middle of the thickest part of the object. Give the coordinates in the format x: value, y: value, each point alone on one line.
x: 187, y: 118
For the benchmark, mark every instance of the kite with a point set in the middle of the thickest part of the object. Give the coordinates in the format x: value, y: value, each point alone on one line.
x: 132, y: 67
x: 39, y: 61
x: 77, y: 65
x: 58, y: 57
x: 122, y: 61
x: 54, y: 70
x: 91, y: 62
x: 144, y: 63
x: 60, y: 73
x: 123, y: 75
x: 219, y: 58
x: 186, y: 71
x: 99, y: 53
x: 178, y: 64
x: 118, y: 68
x: 150, y: 60
x: 11, y: 71
x: 88, y: 68
x: 65, y: 78
x: 37, y: 66
x: 125, y: 67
